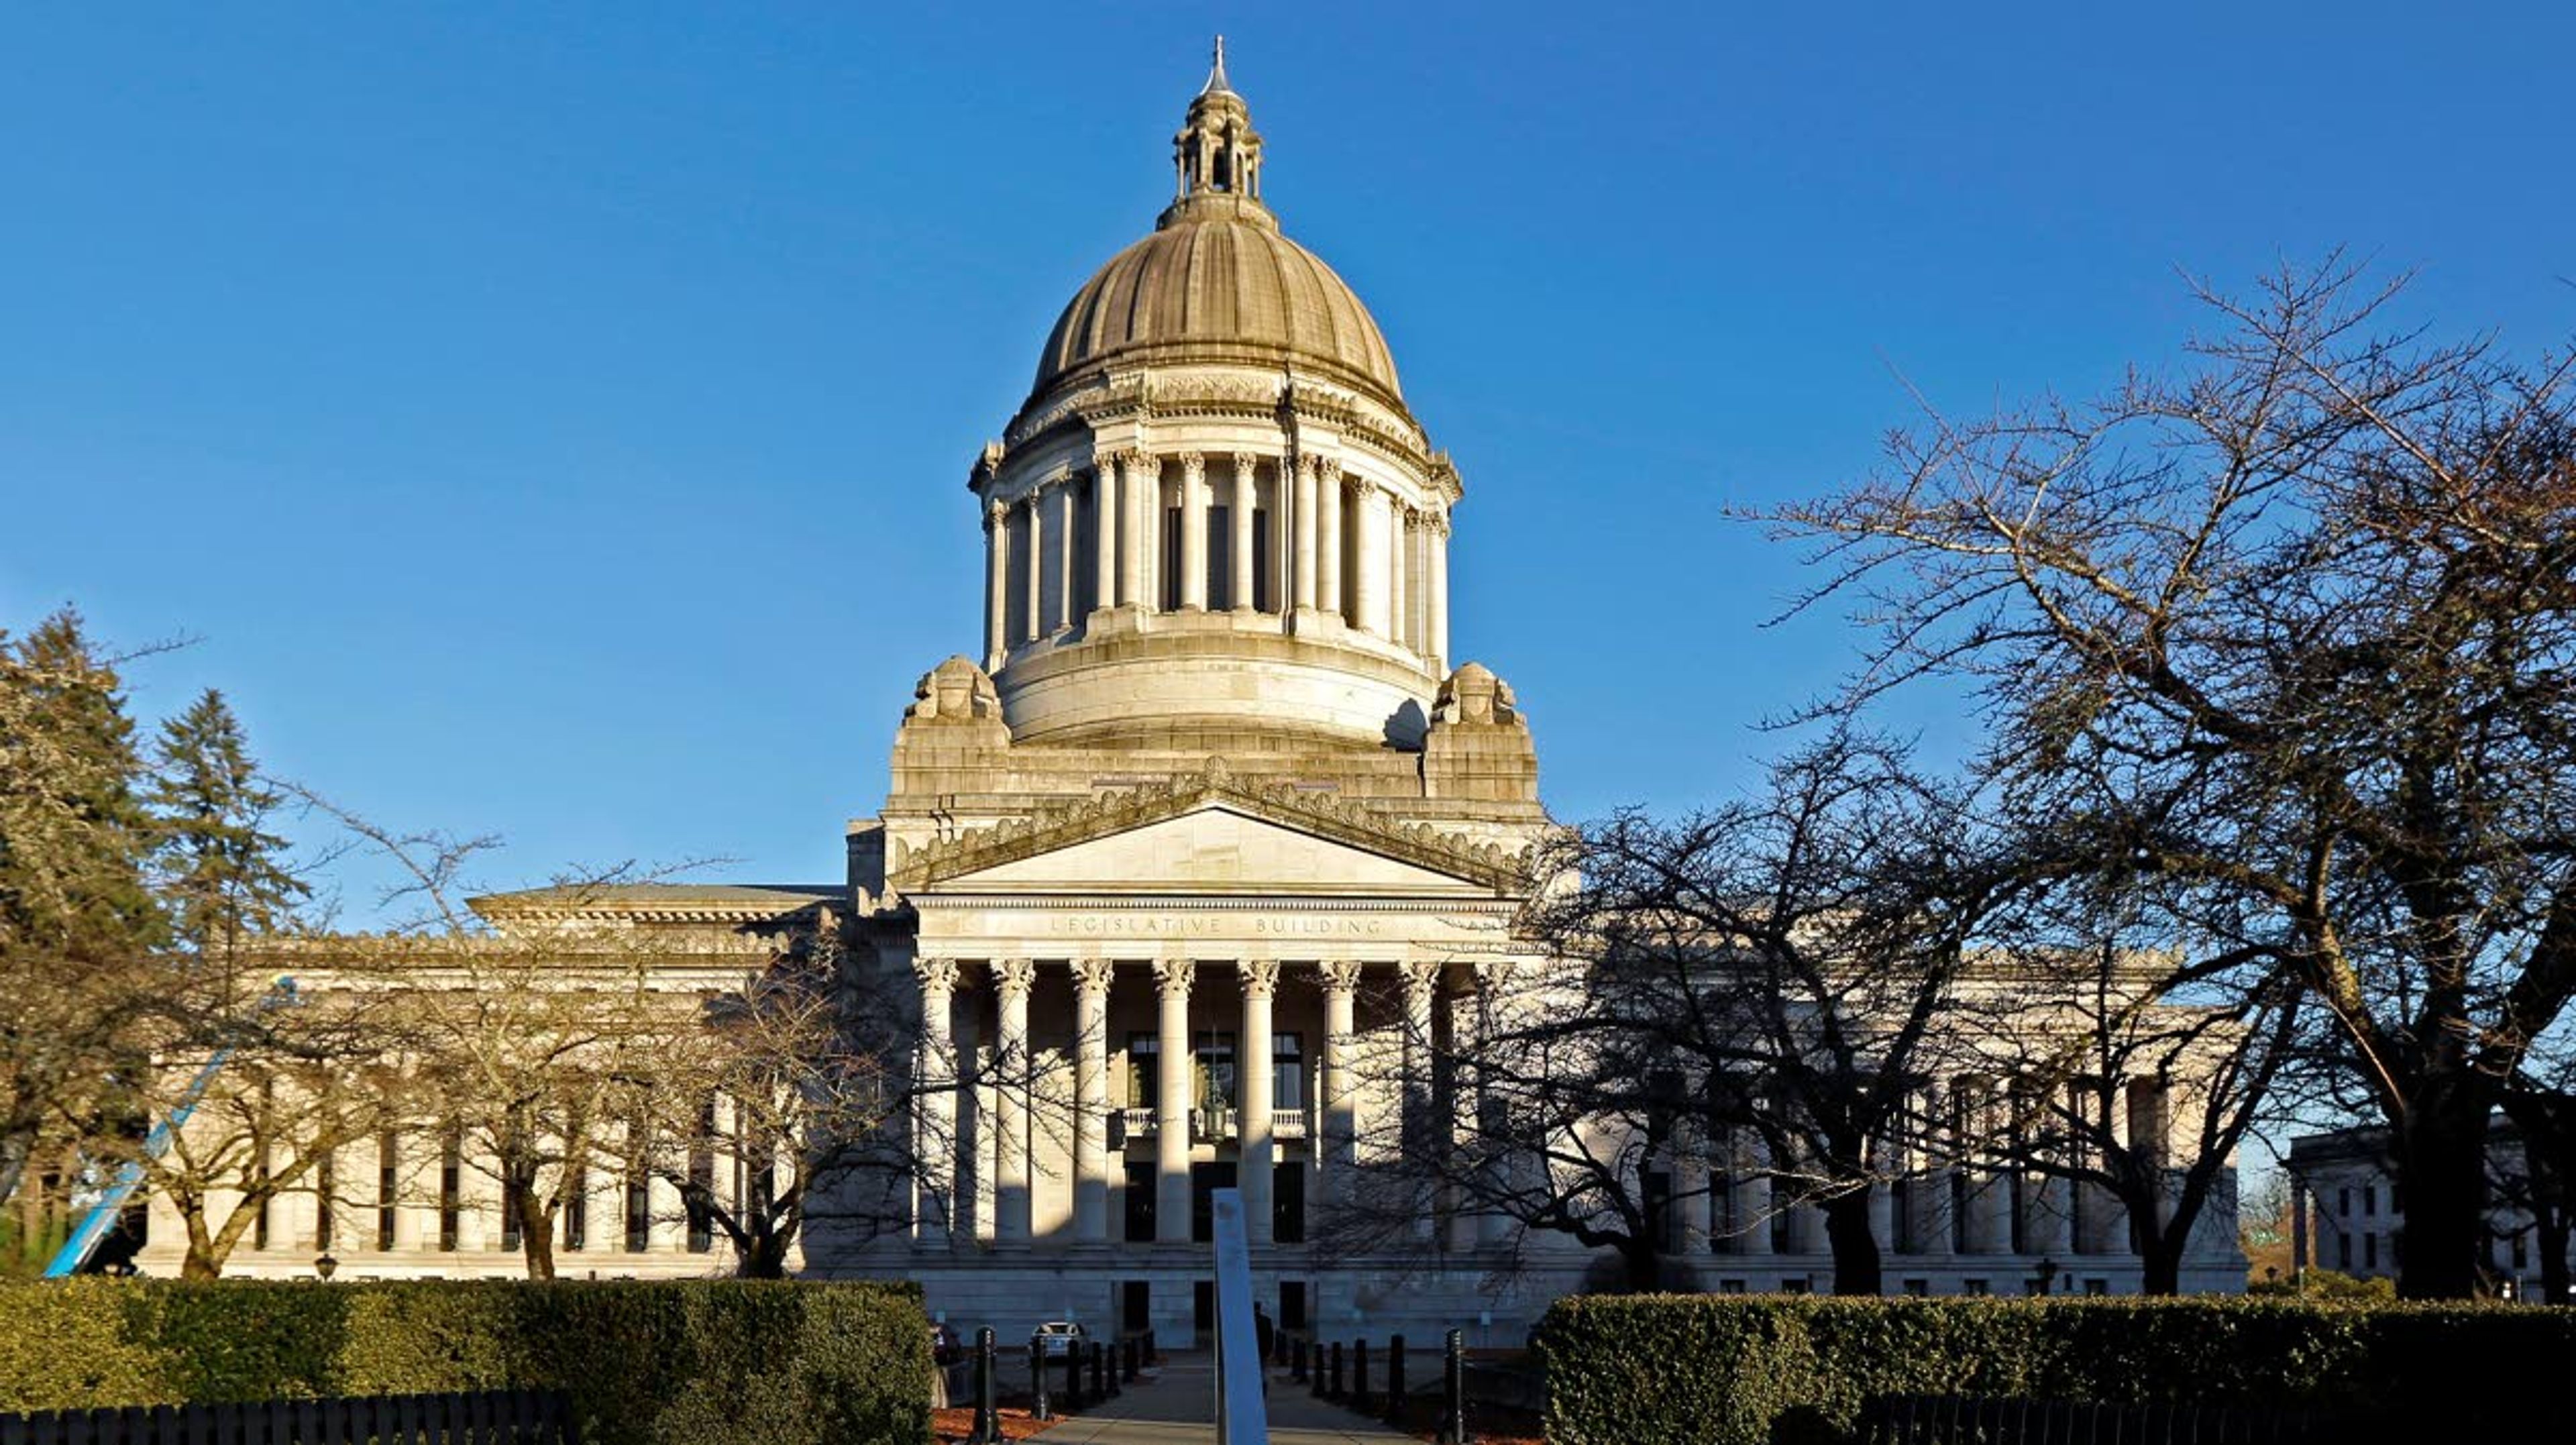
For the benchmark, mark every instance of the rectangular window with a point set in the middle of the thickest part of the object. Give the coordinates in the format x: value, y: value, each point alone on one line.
x: 1918, y: 1287
x: 1288, y: 1204
x: 1660, y: 1220
x: 451, y: 1189
x: 1288, y: 1072
x: 2370, y: 1251
x: 639, y: 1212
x: 2343, y: 1253
x: 2343, y: 1201
x: 1205, y: 1181
x: 1730, y: 1286
x: 388, y: 1188
x: 2370, y: 1199
x: 1140, y: 1204
x: 1264, y: 579
x: 1143, y: 1071
x: 1794, y: 1286
x: 2097, y: 1286
x: 510, y: 1196
x: 1171, y: 568
x: 1779, y: 1221
x: 325, y: 1181
x: 576, y: 1207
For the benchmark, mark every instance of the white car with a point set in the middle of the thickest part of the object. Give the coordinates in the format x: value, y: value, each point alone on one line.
x: 1057, y: 1338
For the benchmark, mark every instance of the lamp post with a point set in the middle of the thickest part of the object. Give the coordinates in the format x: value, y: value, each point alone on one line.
x: 325, y: 1266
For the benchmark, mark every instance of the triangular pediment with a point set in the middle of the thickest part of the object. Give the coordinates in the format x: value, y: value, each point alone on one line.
x: 1210, y: 834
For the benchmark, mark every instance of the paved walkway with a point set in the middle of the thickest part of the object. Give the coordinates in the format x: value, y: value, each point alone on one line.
x: 1178, y: 1407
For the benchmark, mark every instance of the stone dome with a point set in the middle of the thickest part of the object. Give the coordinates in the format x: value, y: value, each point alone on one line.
x: 1218, y: 282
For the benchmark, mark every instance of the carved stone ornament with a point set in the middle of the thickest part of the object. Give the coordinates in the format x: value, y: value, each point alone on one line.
x: 1015, y: 976
x: 1092, y: 975
x: 1173, y: 976
x: 1341, y: 975
x: 955, y: 691
x: 1421, y: 976
x: 1260, y: 976
x: 937, y: 975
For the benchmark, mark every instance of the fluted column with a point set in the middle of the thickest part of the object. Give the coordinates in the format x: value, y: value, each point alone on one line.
x: 1438, y: 584
x: 1145, y: 494
x: 1421, y: 996
x: 1135, y: 478
x: 1399, y: 563
x: 1172, y: 1103
x: 1260, y: 976
x: 1061, y: 615
x: 1753, y: 1204
x: 1341, y: 979
x: 1989, y: 1224
x: 1033, y: 581
x: 1493, y: 1005
x: 1305, y: 520
x: 1091, y: 977
x: 997, y: 581
x: 935, y: 1125
x: 1369, y: 599
x: 1239, y: 575
x: 1328, y: 537
x: 1104, y: 530
x: 1194, y: 558
x: 1012, y: 978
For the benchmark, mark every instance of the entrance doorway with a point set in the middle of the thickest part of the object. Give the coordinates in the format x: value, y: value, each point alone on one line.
x: 1203, y: 1312
x: 1292, y: 1305
x: 1135, y: 1306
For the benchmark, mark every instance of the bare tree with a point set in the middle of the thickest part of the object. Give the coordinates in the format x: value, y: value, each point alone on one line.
x: 2307, y: 610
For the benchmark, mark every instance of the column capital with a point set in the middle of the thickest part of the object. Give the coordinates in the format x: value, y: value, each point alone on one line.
x: 1421, y: 976
x: 994, y: 512
x: 1328, y: 466
x: 1341, y: 975
x: 1245, y: 464
x: 1013, y: 976
x: 1493, y: 975
x: 939, y: 974
x: 1139, y: 460
x: 1172, y: 976
x: 1260, y: 976
x: 1308, y: 465
x: 1104, y: 458
x: 1092, y: 975
x: 1193, y: 465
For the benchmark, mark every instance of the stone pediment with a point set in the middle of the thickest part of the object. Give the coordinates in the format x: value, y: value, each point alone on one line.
x: 1213, y: 832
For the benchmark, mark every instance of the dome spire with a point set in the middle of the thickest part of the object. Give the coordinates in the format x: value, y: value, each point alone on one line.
x: 1216, y: 157
x: 1216, y: 83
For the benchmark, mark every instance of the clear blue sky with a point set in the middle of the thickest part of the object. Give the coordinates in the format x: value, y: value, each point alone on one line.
x: 553, y: 420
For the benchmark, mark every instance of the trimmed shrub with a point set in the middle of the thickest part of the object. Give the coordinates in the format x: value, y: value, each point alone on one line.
x: 1727, y: 1370
x: 646, y: 1363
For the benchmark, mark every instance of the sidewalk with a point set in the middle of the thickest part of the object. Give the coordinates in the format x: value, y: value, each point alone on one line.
x: 1178, y: 1407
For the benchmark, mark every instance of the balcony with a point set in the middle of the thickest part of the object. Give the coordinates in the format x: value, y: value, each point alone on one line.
x: 1206, y: 1125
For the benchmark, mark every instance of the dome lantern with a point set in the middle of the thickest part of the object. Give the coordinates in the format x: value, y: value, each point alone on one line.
x: 1216, y: 157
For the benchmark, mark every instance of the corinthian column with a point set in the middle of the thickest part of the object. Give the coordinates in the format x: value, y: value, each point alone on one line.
x: 1135, y: 470
x: 1145, y: 492
x: 1252, y: 1077
x: 997, y: 582
x: 1328, y: 536
x: 1011, y: 980
x: 1419, y: 1132
x: 1305, y: 588
x: 1239, y: 575
x: 935, y: 1120
x: 1369, y: 587
x: 1438, y: 585
x: 1104, y: 530
x: 1172, y: 1103
x: 1066, y: 566
x: 1399, y: 562
x: 1194, y: 559
x: 1033, y: 617
x: 1341, y: 978
x: 1091, y: 978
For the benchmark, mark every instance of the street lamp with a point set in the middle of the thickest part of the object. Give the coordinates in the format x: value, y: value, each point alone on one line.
x: 326, y: 1266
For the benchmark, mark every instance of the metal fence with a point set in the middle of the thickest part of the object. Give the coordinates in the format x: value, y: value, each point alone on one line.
x: 497, y: 1417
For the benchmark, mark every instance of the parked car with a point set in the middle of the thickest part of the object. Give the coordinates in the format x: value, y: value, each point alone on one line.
x: 1058, y: 1338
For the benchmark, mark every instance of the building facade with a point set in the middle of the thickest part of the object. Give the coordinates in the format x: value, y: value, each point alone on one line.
x: 2348, y: 1214
x: 1213, y: 815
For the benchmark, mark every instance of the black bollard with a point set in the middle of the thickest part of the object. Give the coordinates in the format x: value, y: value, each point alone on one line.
x: 1395, y: 1378
x: 1453, y: 1391
x: 1297, y: 1359
x: 1315, y: 1376
x: 1336, y: 1392
x: 1073, y: 1374
x: 1099, y: 1385
x: 988, y: 1390
x: 1037, y: 1379
x: 1152, y: 1355
x: 1127, y: 1350
x: 1359, y: 1376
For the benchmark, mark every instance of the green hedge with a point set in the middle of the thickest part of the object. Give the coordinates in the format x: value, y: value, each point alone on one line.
x: 683, y: 1363
x: 1714, y: 1370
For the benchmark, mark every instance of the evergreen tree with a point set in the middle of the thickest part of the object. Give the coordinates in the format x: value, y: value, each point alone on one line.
x: 225, y: 878
x: 79, y: 928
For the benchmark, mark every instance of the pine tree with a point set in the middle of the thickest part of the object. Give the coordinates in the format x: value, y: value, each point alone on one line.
x: 79, y: 927
x: 226, y: 878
